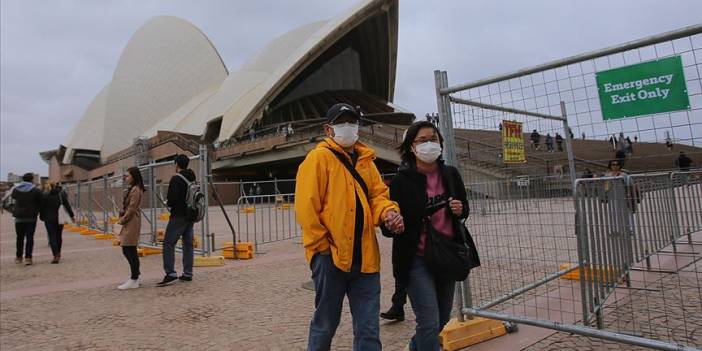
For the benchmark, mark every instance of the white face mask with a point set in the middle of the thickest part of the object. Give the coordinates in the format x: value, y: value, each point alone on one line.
x: 428, y: 151
x: 345, y: 134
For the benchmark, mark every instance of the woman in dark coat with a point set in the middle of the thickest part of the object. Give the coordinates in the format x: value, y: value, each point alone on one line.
x: 130, y: 220
x: 423, y: 184
x: 53, y: 198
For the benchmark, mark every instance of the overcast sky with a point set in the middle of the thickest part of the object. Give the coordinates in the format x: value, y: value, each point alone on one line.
x: 55, y: 56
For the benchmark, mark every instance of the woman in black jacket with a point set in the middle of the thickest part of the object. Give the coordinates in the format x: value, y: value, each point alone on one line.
x: 423, y: 184
x: 52, y: 199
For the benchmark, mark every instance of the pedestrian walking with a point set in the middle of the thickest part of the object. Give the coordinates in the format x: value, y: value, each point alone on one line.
x: 178, y: 225
x: 340, y: 198
x: 535, y: 137
x: 433, y: 201
x: 549, y: 142
x: 559, y: 142
x: 55, y: 212
x: 683, y: 162
x: 27, y: 202
x: 130, y: 220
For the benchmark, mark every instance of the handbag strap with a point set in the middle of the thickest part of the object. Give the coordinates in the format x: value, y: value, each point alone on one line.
x: 450, y: 184
x: 351, y: 170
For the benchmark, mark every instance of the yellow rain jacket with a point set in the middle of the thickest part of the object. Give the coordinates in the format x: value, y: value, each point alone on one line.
x: 325, y: 202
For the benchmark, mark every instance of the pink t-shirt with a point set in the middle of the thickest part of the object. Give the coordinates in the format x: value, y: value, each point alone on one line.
x: 441, y: 219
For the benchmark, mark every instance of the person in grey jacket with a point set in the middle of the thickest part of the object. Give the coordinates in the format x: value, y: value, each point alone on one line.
x: 27, y: 199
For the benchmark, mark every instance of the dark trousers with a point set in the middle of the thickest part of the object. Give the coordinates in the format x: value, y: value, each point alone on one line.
x: 130, y: 252
x: 25, y: 231
x: 331, y: 286
x: 55, y: 232
x: 177, y: 228
x: 399, y: 297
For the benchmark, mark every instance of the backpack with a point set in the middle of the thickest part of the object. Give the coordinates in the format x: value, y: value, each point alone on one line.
x: 195, y: 205
x: 8, y: 203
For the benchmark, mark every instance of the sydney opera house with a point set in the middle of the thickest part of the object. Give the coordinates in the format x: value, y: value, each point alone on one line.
x: 172, y: 92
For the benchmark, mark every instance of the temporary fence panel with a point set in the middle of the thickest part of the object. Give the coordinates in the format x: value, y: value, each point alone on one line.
x: 266, y: 218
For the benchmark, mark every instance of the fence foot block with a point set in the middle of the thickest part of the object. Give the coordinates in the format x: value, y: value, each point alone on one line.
x: 208, y: 261
x: 103, y: 236
x: 457, y: 335
x: 148, y: 251
x: 115, y: 242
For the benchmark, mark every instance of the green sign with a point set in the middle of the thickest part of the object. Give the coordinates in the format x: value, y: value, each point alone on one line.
x: 643, y: 89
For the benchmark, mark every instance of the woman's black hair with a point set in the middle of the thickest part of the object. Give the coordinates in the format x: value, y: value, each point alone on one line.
x: 405, y: 148
x: 136, y: 177
x: 609, y: 164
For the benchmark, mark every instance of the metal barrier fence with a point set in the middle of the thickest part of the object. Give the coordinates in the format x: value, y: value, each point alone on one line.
x: 265, y: 219
x: 98, y: 202
x: 615, y: 258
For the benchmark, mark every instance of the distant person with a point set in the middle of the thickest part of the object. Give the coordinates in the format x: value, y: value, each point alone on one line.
x: 636, y: 139
x: 535, y: 138
x: 632, y: 194
x: 583, y: 135
x: 290, y: 129
x: 252, y: 133
x: 178, y: 225
x: 27, y: 198
x: 55, y: 207
x: 620, y: 155
x: 549, y: 142
x: 559, y: 141
x: 629, y: 146
x: 587, y: 174
x: 669, y: 143
x: 130, y: 220
x: 613, y: 142
x: 683, y: 162
x: 570, y: 133
x: 499, y: 127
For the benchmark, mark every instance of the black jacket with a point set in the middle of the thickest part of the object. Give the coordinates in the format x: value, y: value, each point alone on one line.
x: 408, y: 188
x: 177, y: 193
x: 27, y: 201
x: 50, y: 205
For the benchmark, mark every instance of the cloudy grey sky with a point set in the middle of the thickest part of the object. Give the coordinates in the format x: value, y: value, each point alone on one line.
x: 55, y: 56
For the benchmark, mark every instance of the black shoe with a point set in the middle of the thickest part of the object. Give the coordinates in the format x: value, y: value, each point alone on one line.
x: 167, y: 280
x: 185, y: 278
x: 395, y: 313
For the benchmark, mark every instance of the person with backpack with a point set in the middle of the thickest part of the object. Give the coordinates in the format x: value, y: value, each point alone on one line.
x: 130, y: 220
x: 55, y: 212
x: 180, y: 223
x: 27, y: 202
x: 340, y: 198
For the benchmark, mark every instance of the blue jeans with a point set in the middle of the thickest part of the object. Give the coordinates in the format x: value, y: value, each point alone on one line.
x: 177, y: 227
x: 363, y: 290
x: 431, y: 301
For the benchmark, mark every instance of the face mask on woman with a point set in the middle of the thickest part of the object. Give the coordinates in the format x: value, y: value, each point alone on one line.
x: 345, y: 134
x: 428, y: 151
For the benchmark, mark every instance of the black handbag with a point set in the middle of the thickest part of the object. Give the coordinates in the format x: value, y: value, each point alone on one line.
x: 446, y: 258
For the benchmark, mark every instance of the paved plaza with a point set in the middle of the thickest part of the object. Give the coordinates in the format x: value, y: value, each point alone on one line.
x: 256, y: 304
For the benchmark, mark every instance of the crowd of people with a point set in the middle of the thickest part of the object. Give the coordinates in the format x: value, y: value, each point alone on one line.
x: 26, y: 201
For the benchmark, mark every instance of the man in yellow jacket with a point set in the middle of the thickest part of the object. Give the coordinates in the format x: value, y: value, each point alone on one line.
x: 340, y: 199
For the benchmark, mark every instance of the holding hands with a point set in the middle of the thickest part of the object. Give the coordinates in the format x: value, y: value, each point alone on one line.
x: 455, y: 206
x: 394, y: 222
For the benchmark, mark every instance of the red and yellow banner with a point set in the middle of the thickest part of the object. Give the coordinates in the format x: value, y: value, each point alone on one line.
x: 512, y: 142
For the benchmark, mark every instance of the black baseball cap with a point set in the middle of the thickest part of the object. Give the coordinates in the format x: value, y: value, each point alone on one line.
x: 340, y: 109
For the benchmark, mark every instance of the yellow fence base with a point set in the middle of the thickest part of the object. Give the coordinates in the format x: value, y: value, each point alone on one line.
x: 600, y: 272
x: 115, y: 242
x: 103, y: 236
x: 457, y: 335
x: 244, y: 250
x: 113, y: 219
x: 208, y: 261
x: 164, y: 217
x: 248, y: 210
x: 143, y: 251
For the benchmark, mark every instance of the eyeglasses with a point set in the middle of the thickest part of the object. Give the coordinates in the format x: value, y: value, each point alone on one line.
x: 424, y: 140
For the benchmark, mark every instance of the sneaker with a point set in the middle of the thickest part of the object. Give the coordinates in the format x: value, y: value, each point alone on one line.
x: 185, y: 278
x: 18, y: 260
x: 167, y: 280
x: 395, y: 313
x: 129, y: 284
x: 28, y: 261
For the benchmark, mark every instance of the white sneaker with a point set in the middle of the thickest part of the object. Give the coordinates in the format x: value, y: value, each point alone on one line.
x: 129, y: 284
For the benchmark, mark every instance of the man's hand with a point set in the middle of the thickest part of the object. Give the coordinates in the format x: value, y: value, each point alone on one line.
x: 394, y: 222
x: 456, y: 206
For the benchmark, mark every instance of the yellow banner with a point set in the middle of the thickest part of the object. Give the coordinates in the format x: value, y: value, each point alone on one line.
x: 512, y: 142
